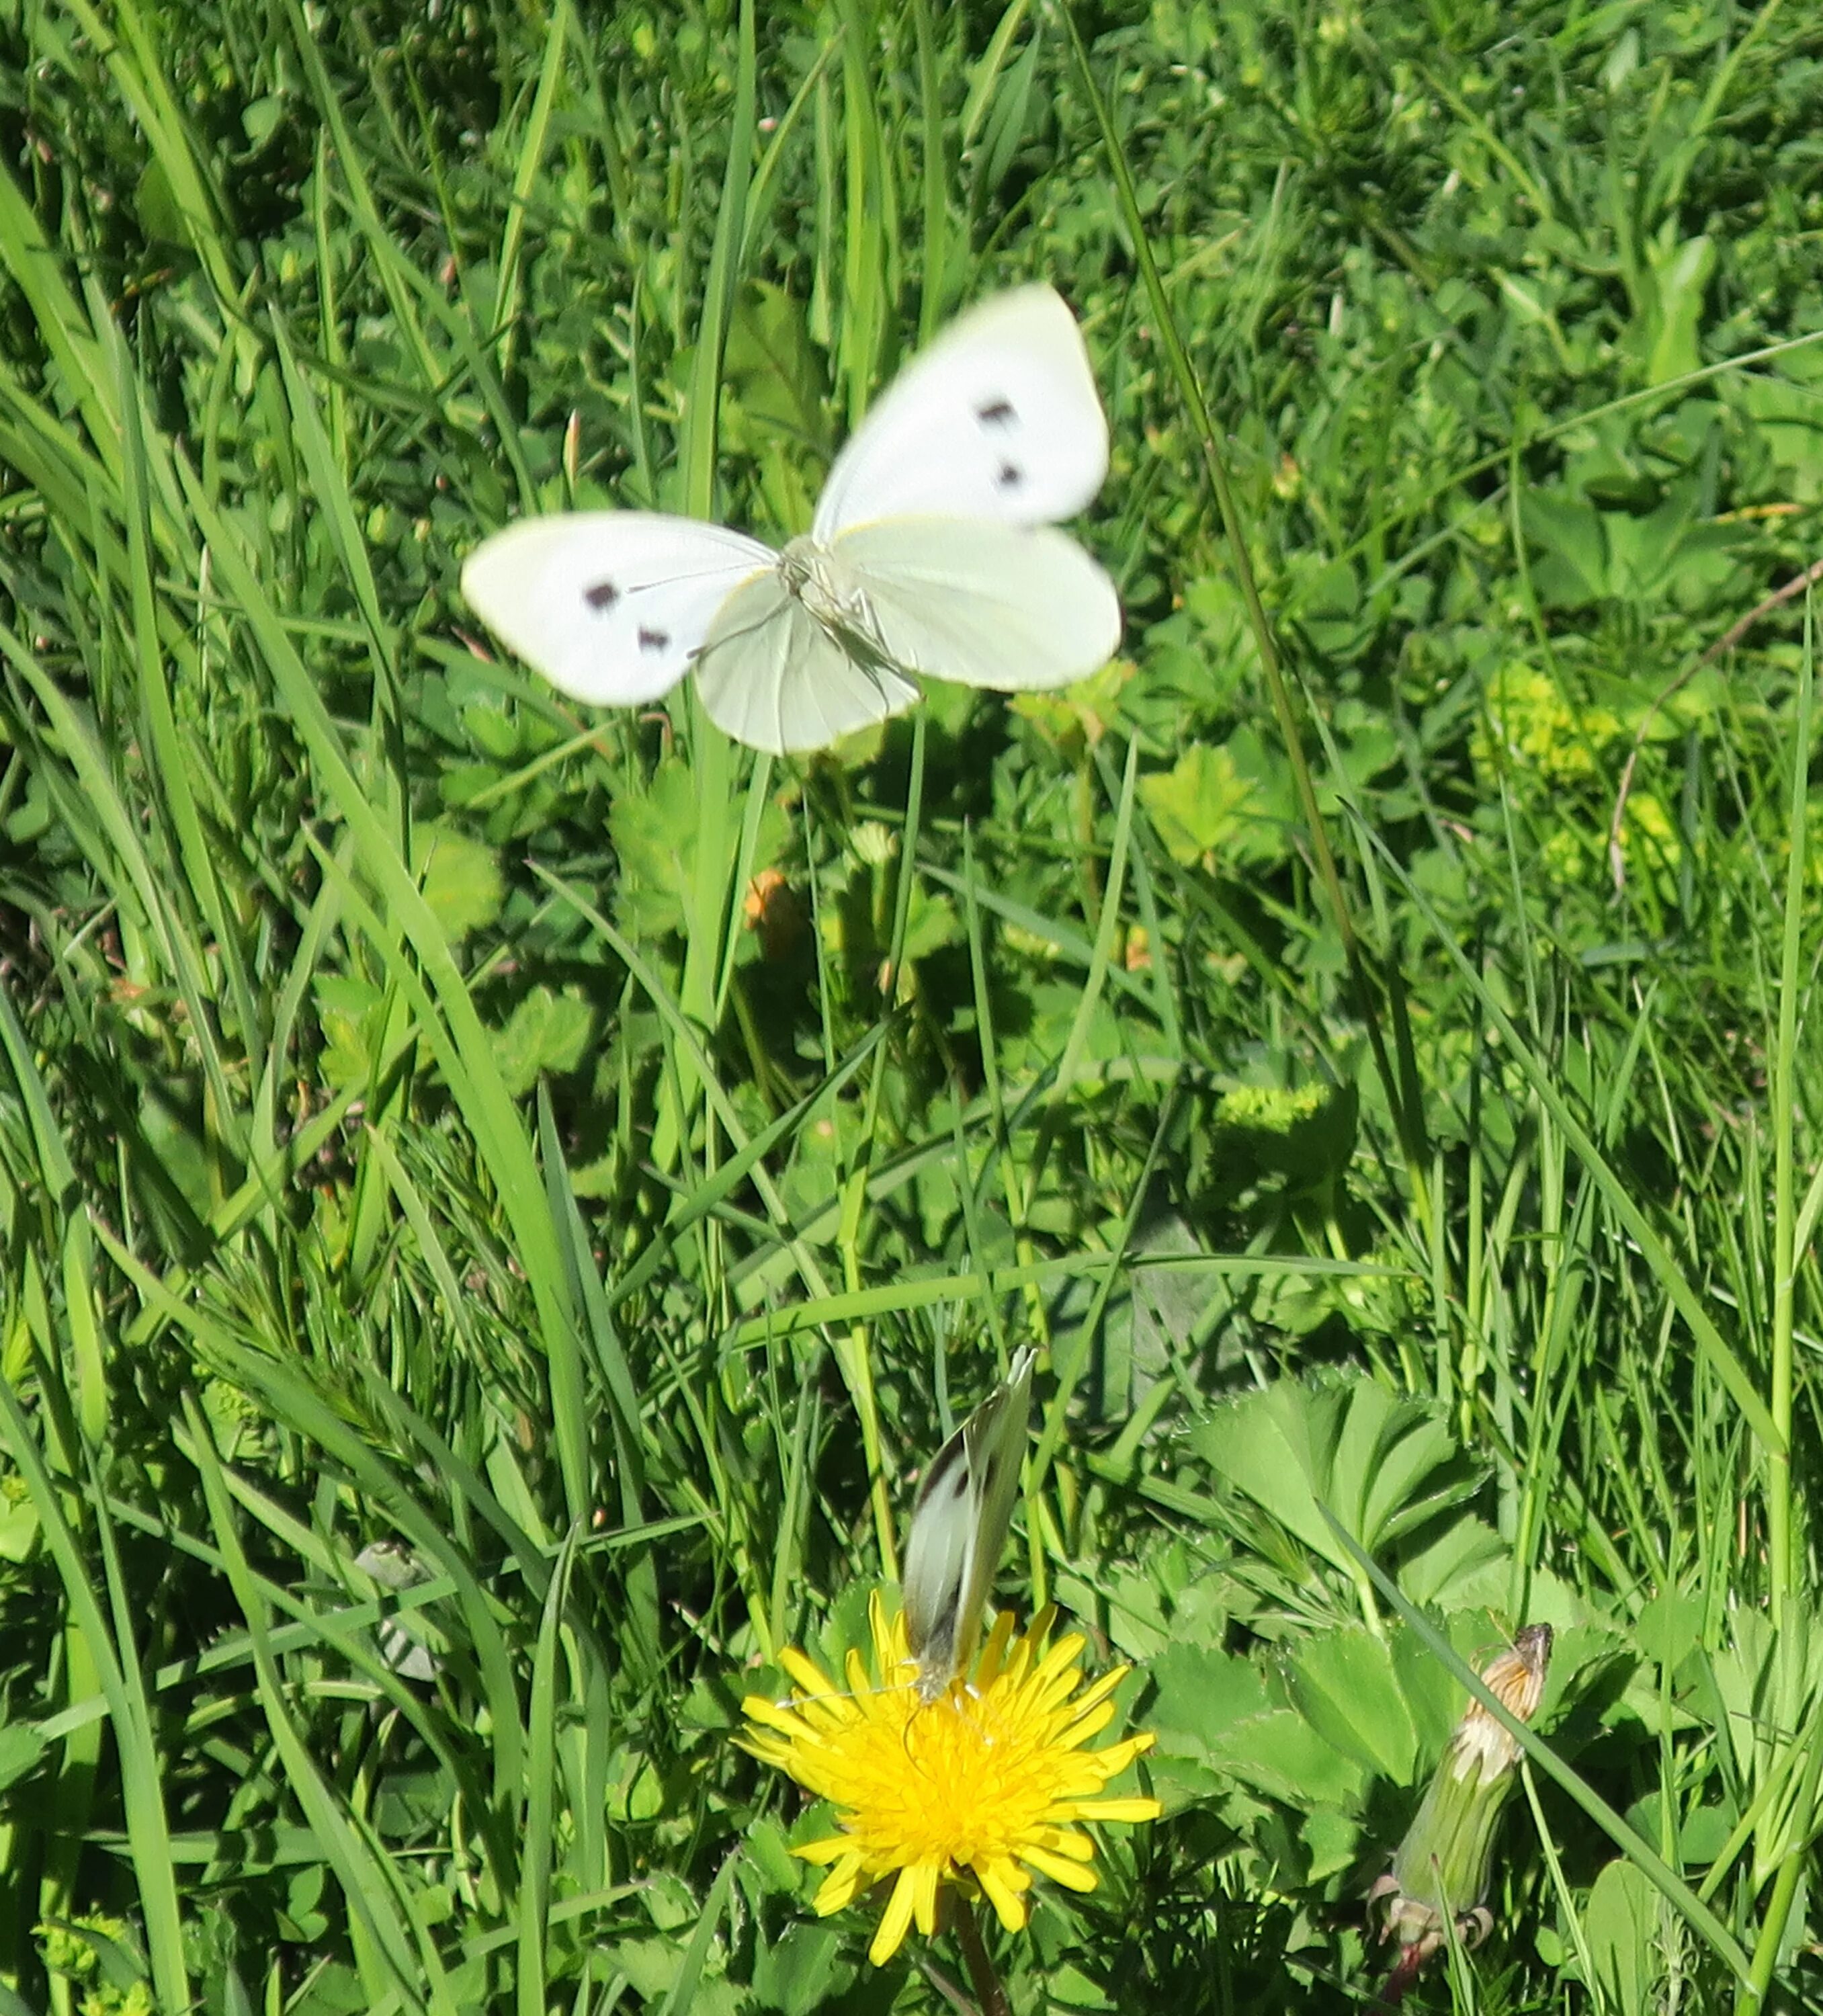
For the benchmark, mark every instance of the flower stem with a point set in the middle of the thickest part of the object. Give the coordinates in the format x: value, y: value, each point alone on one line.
x: 988, y: 1991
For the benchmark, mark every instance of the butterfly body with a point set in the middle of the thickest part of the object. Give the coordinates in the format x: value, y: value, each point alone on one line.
x: 834, y: 596
x: 931, y: 551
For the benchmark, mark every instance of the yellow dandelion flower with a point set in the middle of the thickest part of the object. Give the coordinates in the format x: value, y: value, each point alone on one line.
x: 987, y: 1783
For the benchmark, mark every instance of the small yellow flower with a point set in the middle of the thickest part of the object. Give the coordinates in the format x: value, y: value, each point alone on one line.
x: 989, y: 1779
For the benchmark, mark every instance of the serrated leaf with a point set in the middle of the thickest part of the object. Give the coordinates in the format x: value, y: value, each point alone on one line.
x: 546, y: 1031
x: 461, y: 880
x: 654, y: 833
x: 1343, y: 1683
x: 1202, y: 1696
x: 771, y: 371
x: 1202, y: 806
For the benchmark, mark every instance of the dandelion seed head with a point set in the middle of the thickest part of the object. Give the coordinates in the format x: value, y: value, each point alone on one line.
x: 1516, y: 1680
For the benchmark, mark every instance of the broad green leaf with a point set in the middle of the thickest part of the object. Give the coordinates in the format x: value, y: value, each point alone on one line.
x: 1202, y: 806
x: 461, y: 880
x: 1343, y: 1683
x: 1621, y: 1924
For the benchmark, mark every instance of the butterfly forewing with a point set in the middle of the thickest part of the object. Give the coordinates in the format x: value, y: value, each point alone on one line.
x: 610, y: 606
x: 959, y: 1525
x: 997, y: 1451
x: 999, y: 420
x: 937, y: 1551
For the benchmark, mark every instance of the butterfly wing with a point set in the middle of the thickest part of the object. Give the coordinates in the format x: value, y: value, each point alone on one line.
x: 610, y: 606
x: 1012, y: 607
x: 999, y: 418
x: 996, y: 1450
x: 959, y: 1524
x: 771, y: 676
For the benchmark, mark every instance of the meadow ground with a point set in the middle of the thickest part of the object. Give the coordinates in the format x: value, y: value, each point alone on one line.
x: 1358, y: 1038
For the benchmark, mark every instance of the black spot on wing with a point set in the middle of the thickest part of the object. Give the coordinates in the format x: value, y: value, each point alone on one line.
x: 602, y: 596
x: 1010, y: 476
x: 653, y: 640
x: 996, y: 413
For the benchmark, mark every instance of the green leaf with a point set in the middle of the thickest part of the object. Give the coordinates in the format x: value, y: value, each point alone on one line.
x: 771, y: 372
x: 1284, y: 1757
x: 1218, y: 1711
x: 1381, y: 1465
x: 1202, y: 806
x: 1201, y: 1696
x: 1343, y: 1683
x: 1621, y: 1924
x: 930, y: 924
x: 18, y: 1530
x: 1305, y: 1134
x: 1785, y: 415
x: 1570, y: 570
x: 160, y: 214
x: 460, y: 878
x: 1464, y: 1564
x: 803, y: 1972
x: 1669, y: 1628
x: 349, y: 1011
x: 545, y: 1032
x: 654, y: 833
x: 1681, y: 275
x: 21, y: 1745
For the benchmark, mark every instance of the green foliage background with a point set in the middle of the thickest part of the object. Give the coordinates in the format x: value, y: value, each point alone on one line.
x: 1362, y: 1037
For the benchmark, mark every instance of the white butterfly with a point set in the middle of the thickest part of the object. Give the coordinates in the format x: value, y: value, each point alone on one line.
x: 959, y: 1523
x: 931, y: 551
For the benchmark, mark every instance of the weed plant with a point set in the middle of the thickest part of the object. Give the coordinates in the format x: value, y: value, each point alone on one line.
x: 1360, y: 1037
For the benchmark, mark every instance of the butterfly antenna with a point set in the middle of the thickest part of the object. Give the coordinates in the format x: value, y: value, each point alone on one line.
x: 796, y: 1700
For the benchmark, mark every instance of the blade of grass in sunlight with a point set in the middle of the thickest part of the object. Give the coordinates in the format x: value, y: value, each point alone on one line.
x: 542, y: 1786
x: 390, y: 1959
x: 451, y: 1023
x: 1402, y: 1094
x: 1782, y: 1569
x: 1716, y: 1352
x: 715, y: 896
x: 112, y: 1657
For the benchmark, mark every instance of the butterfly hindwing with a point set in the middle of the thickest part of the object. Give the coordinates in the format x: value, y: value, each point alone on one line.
x: 772, y: 677
x: 610, y: 606
x: 959, y: 1525
x: 937, y: 1552
x: 998, y: 419
x: 1015, y: 607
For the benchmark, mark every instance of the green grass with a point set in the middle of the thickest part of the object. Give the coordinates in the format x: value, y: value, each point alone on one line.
x: 405, y: 1135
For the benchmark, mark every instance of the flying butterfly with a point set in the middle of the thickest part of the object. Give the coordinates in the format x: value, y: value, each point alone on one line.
x: 959, y: 1524
x: 932, y: 551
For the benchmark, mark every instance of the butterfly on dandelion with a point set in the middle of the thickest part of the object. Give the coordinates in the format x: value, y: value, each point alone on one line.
x: 939, y: 1787
x: 960, y: 1520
